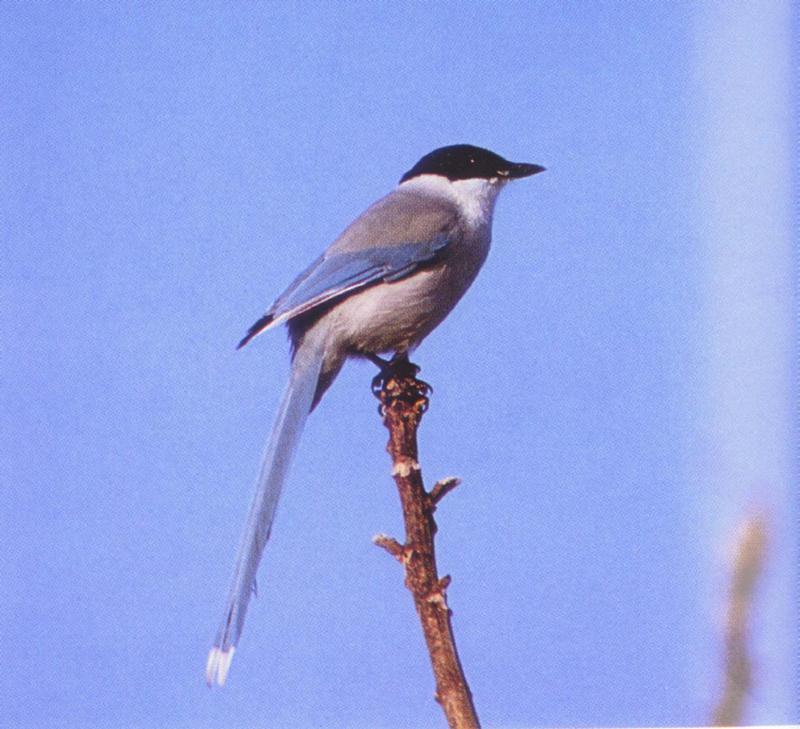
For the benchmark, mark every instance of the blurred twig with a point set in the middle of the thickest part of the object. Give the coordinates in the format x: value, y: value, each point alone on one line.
x: 747, y: 567
x: 403, y: 402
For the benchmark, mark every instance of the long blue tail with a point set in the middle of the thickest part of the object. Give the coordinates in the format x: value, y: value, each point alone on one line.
x: 294, y: 409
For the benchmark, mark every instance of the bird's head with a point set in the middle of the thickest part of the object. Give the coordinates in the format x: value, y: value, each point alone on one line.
x: 466, y: 162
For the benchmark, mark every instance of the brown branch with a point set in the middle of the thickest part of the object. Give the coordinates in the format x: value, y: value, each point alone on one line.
x: 403, y: 401
x: 747, y: 567
x: 443, y: 487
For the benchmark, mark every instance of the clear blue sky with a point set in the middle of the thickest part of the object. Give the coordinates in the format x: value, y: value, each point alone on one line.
x: 613, y: 390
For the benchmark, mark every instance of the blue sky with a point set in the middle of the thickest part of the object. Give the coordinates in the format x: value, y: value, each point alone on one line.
x: 614, y: 389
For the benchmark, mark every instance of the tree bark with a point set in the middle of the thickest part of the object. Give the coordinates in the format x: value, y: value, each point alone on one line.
x: 403, y: 401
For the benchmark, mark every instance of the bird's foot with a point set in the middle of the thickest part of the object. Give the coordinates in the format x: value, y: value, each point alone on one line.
x: 397, y: 368
x: 397, y: 379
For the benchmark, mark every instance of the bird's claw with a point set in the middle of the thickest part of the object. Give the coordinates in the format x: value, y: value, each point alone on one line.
x: 377, y: 384
x: 399, y: 370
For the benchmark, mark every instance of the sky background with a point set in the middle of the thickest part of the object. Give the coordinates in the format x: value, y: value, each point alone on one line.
x: 614, y: 390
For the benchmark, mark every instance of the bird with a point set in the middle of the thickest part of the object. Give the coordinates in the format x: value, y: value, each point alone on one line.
x: 380, y: 288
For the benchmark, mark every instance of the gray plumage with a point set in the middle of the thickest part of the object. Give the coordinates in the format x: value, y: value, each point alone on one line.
x: 380, y: 288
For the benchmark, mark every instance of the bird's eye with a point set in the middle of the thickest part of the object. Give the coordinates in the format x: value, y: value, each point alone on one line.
x: 472, y: 160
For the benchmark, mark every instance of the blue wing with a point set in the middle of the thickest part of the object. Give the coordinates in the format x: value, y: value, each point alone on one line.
x: 335, y: 274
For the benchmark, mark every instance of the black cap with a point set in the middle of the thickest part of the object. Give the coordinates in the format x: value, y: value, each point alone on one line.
x: 465, y: 162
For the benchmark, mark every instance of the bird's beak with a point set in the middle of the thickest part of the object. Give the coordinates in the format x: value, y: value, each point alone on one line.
x: 523, y: 169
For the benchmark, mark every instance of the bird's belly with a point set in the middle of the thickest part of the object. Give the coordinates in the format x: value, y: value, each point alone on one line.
x: 397, y: 316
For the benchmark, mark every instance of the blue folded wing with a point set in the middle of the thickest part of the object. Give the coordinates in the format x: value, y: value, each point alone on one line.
x: 340, y: 273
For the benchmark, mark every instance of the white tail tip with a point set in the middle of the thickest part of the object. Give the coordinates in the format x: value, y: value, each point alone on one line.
x: 217, y: 665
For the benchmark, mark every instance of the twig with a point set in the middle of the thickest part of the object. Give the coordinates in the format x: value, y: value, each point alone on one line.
x: 403, y: 401
x: 443, y: 487
x: 747, y: 568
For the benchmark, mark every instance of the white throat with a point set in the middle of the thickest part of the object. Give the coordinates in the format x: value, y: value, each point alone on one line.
x: 475, y: 198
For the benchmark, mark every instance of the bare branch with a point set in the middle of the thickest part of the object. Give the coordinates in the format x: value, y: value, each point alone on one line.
x: 403, y: 401
x: 443, y: 487
x: 748, y: 564
x: 391, y: 545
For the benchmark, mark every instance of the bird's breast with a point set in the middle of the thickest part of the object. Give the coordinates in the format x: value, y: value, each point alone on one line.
x: 397, y: 316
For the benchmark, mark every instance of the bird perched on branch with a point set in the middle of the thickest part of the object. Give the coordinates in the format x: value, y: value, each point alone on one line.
x: 380, y: 288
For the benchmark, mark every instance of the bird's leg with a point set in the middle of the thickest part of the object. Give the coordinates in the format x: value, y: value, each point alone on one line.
x: 399, y: 369
x: 384, y: 373
x: 401, y: 366
x: 379, y: 362
x: 382, y: 377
